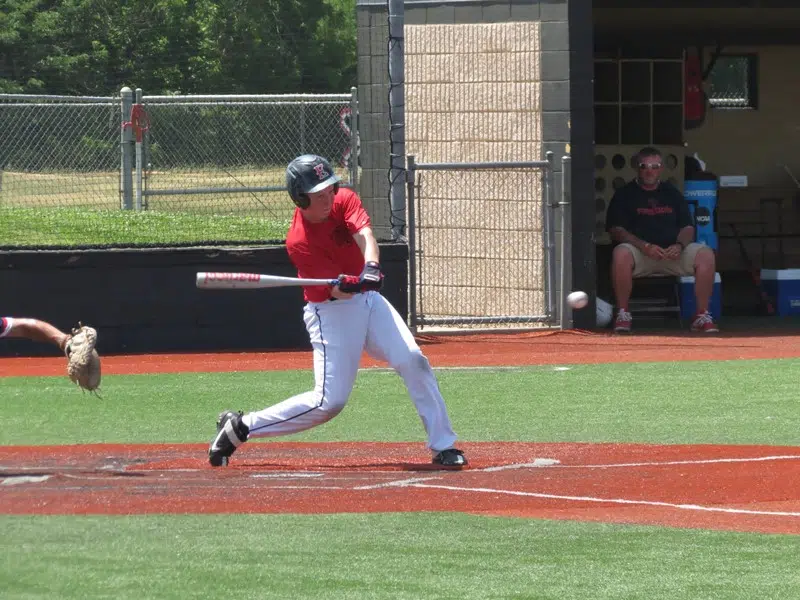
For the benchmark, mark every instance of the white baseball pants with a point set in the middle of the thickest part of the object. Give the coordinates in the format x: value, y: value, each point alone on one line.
x: 340, y: 331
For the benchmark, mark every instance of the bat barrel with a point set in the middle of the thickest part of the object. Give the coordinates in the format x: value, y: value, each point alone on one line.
x: 222, y: 281
x: 231, y: 281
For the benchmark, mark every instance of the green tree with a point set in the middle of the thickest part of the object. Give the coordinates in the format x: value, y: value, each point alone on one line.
x: 191, y: 46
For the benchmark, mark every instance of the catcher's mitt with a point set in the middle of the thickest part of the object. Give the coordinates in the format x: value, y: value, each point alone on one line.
x: 83, y: 364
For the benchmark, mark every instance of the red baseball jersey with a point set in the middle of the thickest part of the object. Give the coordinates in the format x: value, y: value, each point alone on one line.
x: 326, y: 250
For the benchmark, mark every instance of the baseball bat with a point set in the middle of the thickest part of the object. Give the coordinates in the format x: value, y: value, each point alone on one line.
x: 251, y: 281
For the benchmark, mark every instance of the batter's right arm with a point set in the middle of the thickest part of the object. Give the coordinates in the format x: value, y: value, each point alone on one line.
x: 368, y: 244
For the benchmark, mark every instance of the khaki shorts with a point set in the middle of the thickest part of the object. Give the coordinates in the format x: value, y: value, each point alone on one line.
x: 644, y: 266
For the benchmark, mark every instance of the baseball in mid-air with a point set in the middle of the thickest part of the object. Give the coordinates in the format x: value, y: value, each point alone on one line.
x: 578, y: 299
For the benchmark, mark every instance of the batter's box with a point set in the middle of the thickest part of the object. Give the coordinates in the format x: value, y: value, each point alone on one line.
x: 722, y: 487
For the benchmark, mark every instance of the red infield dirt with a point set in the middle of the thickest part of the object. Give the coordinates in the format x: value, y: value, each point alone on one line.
x: 741, y: 488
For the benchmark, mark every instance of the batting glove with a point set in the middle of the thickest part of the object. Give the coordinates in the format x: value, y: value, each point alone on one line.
x: 371, y: 277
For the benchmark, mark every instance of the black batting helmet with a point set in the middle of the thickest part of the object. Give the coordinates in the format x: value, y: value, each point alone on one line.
x: 307, y: 174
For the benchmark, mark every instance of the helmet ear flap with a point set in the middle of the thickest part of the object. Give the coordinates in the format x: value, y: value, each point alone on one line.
x: 302, y: 200
x: 295, y: 188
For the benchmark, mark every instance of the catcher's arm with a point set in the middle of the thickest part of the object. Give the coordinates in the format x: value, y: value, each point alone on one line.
x: 38, y: 331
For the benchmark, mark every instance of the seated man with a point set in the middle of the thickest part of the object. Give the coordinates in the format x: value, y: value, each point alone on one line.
x: 649, y: 220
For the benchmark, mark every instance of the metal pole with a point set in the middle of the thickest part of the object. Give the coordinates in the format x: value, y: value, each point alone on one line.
x: 549, y: 236
x: 126, y: 145
x: 302, y: 128
x: 397, y: 119
x: 412, y: 247
x: 354, y: 138
x: 138, y: 204
x: 566, y: 237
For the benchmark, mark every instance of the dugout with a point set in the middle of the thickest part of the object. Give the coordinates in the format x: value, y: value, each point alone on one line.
x: 714, y: 78
x: 611, y: 77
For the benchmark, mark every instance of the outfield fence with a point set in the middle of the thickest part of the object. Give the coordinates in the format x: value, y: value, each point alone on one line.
x: 183, y: 156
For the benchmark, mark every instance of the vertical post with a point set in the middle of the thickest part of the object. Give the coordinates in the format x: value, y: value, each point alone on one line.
x: 397, y: 118
x: 566, y: 240
x: 412, y: 246
x: 354, y: 139
x: 302, y: 127
x: 548, y: 235
x: 138, y: 203
x: 126, y: 145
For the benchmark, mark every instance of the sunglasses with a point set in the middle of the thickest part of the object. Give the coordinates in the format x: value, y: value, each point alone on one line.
x: 651, y: 166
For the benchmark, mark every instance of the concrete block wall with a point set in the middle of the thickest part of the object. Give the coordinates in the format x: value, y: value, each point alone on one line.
x: 559, y: 101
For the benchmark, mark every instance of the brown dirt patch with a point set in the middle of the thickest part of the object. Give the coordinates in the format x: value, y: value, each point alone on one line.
x: 532, y: 348
x: 742, y: 488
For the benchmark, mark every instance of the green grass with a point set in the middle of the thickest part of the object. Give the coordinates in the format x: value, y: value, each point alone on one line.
x: 101, y: 189
x: 83, y: 226
x: 734, y: 402
x: 385, y: 557
x: 421, y: 555
x: 68, y: 208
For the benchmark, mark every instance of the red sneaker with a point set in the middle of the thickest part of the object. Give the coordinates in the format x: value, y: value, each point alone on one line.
x: 705, y: 323
x: 623, y: 322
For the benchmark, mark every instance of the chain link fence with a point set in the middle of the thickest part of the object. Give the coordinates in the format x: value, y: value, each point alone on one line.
x: 137, y: 170
x: 228, y: 154
x: 482, y: 245
x: 59, y: 151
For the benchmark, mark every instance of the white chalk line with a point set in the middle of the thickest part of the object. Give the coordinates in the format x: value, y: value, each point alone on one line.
x: 541, y: 462
x: 498, y: 368
x: 356, y: 476
x: 56, y: 469
x: 302, y: 475
x: 309, y: 487
x: 696, y: 507
x: 398, y: 483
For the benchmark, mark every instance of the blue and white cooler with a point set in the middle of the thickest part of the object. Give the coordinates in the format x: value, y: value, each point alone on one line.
x: 782, y: 286
x: 704, y: 192
x: 689, y: 304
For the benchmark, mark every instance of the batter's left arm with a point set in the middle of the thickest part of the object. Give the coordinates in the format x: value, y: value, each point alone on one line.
x: 368, y: 244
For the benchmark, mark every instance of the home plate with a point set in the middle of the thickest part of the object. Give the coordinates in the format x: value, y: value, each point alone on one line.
x: 286, y: 475
x: 19, y: 479
x: 537, y: 462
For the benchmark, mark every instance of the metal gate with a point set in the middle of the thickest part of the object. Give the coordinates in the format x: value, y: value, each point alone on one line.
x: 482, y: 245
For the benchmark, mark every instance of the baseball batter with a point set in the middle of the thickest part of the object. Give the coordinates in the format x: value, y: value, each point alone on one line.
x: 330, y: 235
